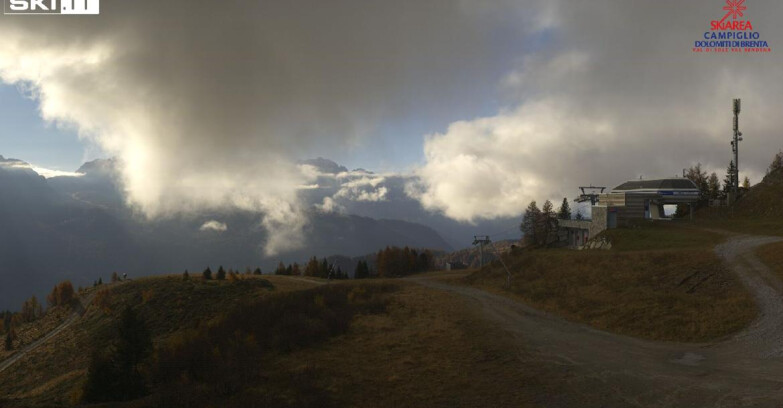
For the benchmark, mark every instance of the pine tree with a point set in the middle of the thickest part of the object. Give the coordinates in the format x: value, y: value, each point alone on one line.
x: 312, y: 267
x: 713, y: 186
x: 564, y: 213
x: 746, y: 183
x: 324, y: 271
x: 777, y: 162
x: 699, y: 177
x: 257, y: 271
x: 362, y: 271
x: 280, y: 269
x: 579, y: 216
x: 530, y: 224
x: 548, y: 224
x: 207, y: 274
x: 221, y: 273
x: 296, y: 270
x: 728, y: 181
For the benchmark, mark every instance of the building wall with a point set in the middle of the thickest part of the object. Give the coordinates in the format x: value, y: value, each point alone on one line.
x: 600, y: 220
x: 634, y: 208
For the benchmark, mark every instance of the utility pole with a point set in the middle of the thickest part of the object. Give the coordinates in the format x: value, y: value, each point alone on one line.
x: 481, y: 240
x: 735, y: 149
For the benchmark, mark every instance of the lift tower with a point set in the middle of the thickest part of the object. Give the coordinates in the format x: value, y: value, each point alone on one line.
x: 735, y: 149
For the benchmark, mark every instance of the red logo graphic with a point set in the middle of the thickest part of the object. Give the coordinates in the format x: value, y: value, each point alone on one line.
x: 734, y: 9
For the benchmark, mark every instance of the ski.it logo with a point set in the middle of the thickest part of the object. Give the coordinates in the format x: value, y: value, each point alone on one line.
x: 51, y: 6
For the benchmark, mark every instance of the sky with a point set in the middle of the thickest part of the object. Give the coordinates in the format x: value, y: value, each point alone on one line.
x: 484, y: 105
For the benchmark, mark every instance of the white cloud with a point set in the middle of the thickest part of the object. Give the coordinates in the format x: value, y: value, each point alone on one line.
x: 609, y: 98
x: 329, y: 205
x: 214, y: 225
x: 49, y: 173
x: 362, y: 188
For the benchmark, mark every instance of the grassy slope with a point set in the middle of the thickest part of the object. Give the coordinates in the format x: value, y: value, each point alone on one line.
x: 30, y: 332
x: 759, y: 211
x: 660, y: 281
x: 49, y: 374
x: 428, y: 349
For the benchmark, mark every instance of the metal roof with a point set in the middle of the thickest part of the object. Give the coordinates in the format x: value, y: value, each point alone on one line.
x: 661, y: 184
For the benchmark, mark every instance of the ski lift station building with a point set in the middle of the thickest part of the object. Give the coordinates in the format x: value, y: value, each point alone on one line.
x: 632, y: 200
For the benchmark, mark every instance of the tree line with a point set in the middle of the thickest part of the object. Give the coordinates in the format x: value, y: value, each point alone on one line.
x: 539, y: 226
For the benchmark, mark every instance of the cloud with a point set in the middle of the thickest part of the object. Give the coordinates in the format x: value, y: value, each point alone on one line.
x: 49, y: 173
x: 214, y: 225
x: 360, y: 187
x: 608, y: 97
x: 209, y: 107
x: 329, y: 205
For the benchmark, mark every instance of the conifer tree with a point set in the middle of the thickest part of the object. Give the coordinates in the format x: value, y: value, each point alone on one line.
x: 564, y: 213
x: 207, y: 274
x: 530, y: 223
x: 221, y: 273
x: 257, y: 271
x: 280, y: 269
x: 186, y: 275
x: 727, y: 181
x: 713, y: 186
x: 777, y: 162
x: 746, y: 183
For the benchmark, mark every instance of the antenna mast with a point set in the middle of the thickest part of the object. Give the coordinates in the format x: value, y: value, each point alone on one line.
x: 735, y: 148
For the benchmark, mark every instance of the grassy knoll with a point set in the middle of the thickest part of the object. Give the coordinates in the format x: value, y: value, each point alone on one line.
x: 677, y: 289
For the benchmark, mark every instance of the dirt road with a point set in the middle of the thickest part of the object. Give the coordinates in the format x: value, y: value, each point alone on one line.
x: 592, y: 368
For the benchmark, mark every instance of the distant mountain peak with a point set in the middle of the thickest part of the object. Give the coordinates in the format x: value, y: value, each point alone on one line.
x: 325, y: 165
x: 99, y: 167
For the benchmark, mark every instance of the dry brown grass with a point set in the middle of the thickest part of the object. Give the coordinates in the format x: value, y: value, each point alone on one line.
x: 772, y: 256
x: 432, y: 349
x: 168, y: 304
x: 678, y: 295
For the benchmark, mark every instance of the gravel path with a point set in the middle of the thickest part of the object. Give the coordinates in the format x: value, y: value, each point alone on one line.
x: 592, y: 368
